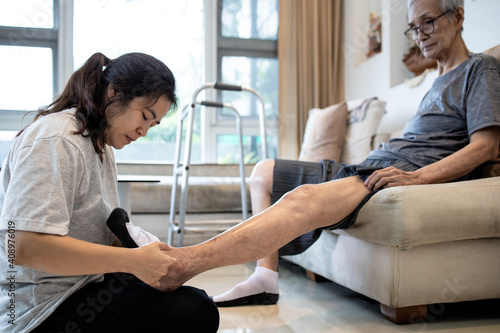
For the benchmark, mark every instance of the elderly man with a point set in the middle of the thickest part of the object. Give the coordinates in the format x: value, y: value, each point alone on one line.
x: 456, y: 129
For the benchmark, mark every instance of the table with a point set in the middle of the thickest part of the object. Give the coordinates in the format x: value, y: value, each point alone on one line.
x: 124, y: 185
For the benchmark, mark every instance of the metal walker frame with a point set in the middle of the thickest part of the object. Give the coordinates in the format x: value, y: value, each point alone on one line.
x: 183, y: 169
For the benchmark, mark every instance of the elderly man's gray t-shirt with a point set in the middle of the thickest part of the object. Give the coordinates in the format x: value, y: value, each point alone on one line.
x: 52, y: 182
x: 459, y: 103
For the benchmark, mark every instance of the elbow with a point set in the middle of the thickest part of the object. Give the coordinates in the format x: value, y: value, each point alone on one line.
x: 492, y: 153
x: 10, y: 247
x: 496, y: 153
x: 495, y: 145
x: 13, y: 249
x: 488, y: 150
x: 19, y: 259
x: 14, y: 256
x: 486, y: 144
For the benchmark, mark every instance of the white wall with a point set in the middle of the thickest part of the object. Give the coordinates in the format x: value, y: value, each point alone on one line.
x: 377, y: 75
x: 482, y: 24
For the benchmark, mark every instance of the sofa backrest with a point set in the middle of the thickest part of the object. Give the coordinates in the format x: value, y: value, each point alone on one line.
x: 402, y: 104
x: 494, y: 51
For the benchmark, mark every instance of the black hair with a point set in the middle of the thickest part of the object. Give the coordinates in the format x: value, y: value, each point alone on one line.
x: 130, y: 75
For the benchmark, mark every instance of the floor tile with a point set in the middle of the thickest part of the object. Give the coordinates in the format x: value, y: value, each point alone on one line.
x: 309, y: 307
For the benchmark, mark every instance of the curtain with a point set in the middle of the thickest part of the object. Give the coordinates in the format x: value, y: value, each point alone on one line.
x: 310, y: 66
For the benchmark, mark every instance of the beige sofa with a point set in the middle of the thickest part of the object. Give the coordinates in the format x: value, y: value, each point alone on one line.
x: 414, y: 246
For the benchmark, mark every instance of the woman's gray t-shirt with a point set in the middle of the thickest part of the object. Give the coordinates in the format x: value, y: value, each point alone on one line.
x: 52, y: 182
x: 461, y: 102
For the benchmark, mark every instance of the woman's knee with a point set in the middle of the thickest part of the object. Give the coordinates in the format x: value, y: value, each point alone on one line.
x: 186, y: 309
x: 195, y: 311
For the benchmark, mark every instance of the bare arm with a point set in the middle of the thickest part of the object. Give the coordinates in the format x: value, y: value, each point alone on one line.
x: 483, y: 147
x: 69, y: 256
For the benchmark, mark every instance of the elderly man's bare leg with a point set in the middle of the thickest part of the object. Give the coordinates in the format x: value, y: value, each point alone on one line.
x: 262, y: 287
x: 306, y: 208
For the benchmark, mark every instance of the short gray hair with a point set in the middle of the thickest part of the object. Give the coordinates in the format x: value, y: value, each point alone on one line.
x: 445, y: 5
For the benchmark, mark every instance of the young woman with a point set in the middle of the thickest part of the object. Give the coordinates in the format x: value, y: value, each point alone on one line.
x: 59, y: 269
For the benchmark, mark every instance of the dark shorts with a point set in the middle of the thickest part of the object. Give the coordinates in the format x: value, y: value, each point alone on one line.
x: 289, y: 174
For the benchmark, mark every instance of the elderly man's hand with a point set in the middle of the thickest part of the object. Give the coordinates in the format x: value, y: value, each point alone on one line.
x: 390, y: 177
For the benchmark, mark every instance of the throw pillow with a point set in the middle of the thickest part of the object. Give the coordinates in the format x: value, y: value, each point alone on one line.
x: 324, y: 134
x: 364, y: 119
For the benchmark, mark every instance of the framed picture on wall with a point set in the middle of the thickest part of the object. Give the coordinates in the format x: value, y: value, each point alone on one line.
x: 374, y: 35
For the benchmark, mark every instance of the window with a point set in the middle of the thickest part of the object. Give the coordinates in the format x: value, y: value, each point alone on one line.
x: 236, y: 38
x: 28, y: 54
x: 247, y: 32
x: 172, y: 31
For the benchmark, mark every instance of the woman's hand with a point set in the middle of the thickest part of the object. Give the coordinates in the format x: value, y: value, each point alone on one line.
x: 390, y: 177
x: 151, y: 263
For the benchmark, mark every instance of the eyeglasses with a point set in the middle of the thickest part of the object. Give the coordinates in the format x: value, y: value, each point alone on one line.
x: 426, y: 28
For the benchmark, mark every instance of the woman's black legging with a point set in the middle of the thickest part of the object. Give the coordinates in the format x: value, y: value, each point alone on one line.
x: 122, y: 303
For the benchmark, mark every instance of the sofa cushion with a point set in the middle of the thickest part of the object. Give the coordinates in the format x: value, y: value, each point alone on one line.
x: 324, y: 134
x: 409, y: 216
x: 364, y: 119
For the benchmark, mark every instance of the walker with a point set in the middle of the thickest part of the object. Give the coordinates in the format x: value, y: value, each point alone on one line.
x: 188, y: 113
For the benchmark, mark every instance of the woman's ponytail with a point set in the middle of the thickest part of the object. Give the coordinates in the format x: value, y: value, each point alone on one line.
x: 85, y: 91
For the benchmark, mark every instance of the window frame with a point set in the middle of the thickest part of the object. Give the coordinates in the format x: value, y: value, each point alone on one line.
x: 31, y: 37
x: 215, y: 123
x: 60, y: 40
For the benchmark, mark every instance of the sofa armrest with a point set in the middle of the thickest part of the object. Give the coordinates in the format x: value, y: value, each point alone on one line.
x: 409, y: 216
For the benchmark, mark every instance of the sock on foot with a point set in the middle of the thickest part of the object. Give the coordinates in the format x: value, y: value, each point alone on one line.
x: 260, y: 288
x: 129, y: 235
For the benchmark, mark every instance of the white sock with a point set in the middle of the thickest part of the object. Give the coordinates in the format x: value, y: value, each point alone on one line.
x: 141, y: 237
x: 262, y: 280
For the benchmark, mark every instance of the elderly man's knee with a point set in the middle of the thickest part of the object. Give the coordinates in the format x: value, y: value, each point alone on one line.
x: 262, y: 174
x: 301, y: 197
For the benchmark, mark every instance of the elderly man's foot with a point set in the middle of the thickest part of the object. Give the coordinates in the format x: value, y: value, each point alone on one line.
x: 261, y: 288
x: 185, y: 267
